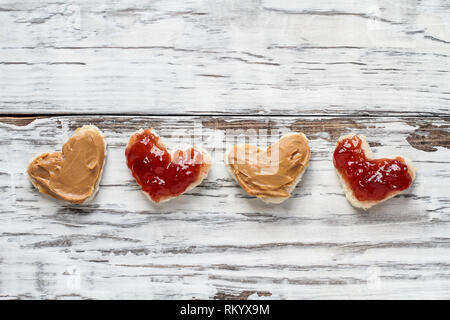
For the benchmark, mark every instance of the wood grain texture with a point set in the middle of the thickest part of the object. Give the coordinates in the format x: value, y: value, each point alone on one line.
x: 255, y: 57
x: 215, y: 241
x: 216, y: 73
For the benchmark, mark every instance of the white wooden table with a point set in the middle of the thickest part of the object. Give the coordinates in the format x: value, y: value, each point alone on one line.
x: 196, y: 71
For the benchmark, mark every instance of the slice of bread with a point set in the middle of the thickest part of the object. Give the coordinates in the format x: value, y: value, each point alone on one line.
x: 80, y: 131
x: 368, y: 152
x: 289, y: 188
x: 203, y: 170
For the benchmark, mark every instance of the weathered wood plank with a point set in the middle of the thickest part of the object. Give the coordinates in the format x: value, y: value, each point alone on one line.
x: 237, y: 57
x: 215, y: 242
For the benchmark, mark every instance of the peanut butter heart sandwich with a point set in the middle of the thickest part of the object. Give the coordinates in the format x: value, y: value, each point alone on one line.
x: 161, y: 175
x: 271, y: 174
x: 73, y: 174
x: 367, y: 181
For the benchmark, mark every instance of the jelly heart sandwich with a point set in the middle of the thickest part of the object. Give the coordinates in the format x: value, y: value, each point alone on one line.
x: 163, y: 176
x: 73, y: 174
x: 271, y: 174
x: 367, y: 181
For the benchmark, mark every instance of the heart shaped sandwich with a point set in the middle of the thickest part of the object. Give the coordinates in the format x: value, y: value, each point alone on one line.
x: 163, y: 176
x: 74, y: 174
x: 367, y: 181
x: 271, y: 174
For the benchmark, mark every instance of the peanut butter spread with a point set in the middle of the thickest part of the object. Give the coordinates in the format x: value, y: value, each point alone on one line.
x: 72, y: 174
x: 270, y: 173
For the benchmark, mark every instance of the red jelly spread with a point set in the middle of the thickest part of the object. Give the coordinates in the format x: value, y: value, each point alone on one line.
x: 154, y: 169
x: 369, y: 179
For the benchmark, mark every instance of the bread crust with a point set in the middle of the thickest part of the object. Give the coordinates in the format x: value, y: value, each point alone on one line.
x: 97, y: 184
x: 365, y: 205
x: 203, y: 170
x: 289, y: 189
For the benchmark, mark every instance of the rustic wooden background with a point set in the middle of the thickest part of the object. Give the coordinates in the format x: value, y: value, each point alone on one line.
x: 197, y: 71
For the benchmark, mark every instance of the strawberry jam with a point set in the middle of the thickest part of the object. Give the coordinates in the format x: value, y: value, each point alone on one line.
x: 154, y: 169
x: 369, y: 179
